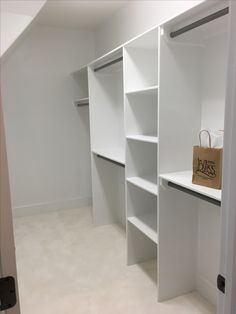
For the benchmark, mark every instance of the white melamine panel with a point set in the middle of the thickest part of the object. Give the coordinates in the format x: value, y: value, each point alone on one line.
x: 208, y: 249
x: 106, y: 109
x: 148, y: 40
x: 139, y: 201
x: 139, y: 246
x: 144, y: 91
x: 143, y: 138
x: 177, y: 253
x: 141, y: 67
x: 142, y: 224
x: 148, y: 183
x: 214, y: 82
x: 146, y: 224
x: 141, y: 159
x: 184, y: 179
x: 180, y: 104
x: 141, y: 114
x: 108, y: 192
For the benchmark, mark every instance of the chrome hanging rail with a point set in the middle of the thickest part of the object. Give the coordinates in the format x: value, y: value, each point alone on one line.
x: 110, y: 160
x: 108, y: 64
x: 193, y: 193
x: 200, y: 22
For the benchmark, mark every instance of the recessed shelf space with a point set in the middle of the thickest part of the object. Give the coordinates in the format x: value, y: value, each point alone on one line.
x: 141, y: 64
x: 141, y: 224
x: 184, y: 179
x: 152, y: 90
x: 148, y: 184
x: 147, y: 224
x: 141, y: 158
x: 141, y: 115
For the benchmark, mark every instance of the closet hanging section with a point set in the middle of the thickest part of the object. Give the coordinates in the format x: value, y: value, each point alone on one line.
x: 82, y: 102
x: 195, y: 194
x: 110, y: 160
x: 200, y: 22
x: 120, y: 59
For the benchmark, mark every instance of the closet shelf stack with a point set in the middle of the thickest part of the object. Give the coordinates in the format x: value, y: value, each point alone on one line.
x: 148, y: 99
x: 141, y: 94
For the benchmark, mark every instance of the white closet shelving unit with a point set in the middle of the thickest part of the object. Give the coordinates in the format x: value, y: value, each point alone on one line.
x: 192, y: 96
x: 141, y: 91
x: 148, y: 101
x: 107, y: 138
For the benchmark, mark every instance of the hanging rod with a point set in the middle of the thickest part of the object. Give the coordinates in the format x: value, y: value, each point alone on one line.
x: 200, y: 22
x: 110, y: 160
x: 108, y: 64
x: 193, y: 193
x: 81, y: 103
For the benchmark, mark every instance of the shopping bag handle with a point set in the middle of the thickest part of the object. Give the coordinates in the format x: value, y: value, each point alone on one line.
x: 209, y: 137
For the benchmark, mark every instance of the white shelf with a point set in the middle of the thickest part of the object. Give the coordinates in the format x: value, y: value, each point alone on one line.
x: 147, y: 224
x: 114, y: 154
x: 148, y: 183
x: 143, y: 138
x: 81, y: 102
x: 152, y: 90
x: 184, y: 179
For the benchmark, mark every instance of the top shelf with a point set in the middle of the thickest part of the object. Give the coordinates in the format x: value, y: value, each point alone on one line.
x: 152, y: 90
x: 184, y: 179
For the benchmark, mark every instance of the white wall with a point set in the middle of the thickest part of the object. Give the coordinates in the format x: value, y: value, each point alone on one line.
x: 15, y: 17
x: 47, y: 137
x: 134, y: 18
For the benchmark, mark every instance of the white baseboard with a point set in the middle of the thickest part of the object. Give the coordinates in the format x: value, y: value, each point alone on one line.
x: 207, y: 289
x: 40, y: 208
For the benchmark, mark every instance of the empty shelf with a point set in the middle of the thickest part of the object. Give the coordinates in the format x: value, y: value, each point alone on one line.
x: 114, y: 154
x: 82, y: 102
x: 184, y: 179
x: 143, y: 138
x: 148, y: 183
x: 152, y: 90
x: 147, y: 224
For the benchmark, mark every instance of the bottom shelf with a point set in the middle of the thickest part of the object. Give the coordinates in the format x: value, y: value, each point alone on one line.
x: 147, y: 224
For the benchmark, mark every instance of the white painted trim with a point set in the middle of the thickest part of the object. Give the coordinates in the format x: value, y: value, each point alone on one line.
x: 40, y: 208
x: 227, y: 302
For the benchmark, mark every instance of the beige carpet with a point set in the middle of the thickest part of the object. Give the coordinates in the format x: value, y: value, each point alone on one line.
x: 66, y: 266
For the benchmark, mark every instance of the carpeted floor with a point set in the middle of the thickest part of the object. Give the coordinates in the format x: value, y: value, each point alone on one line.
x: 67, y: 266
